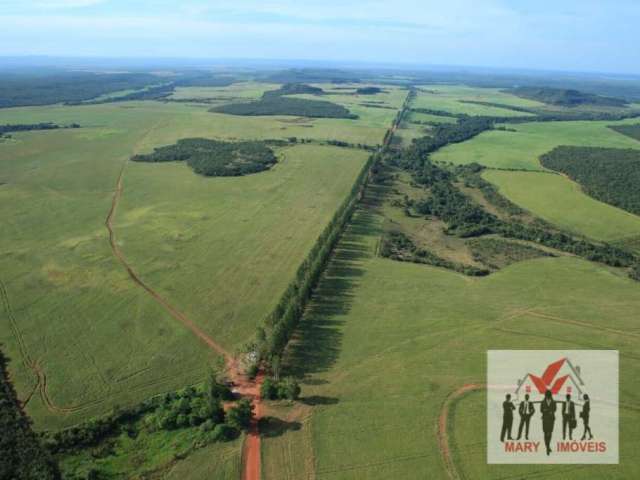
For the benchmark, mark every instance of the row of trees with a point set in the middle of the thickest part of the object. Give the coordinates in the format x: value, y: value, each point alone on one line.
x: 26, y: 127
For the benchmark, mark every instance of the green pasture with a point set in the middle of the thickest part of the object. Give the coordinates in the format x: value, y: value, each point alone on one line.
x: 561, y: 202
x: 384, y: 343
x: 521, y: 149
x: 428, y: 117
x: 450, y: 98
x: 222, y: 250
x: 233, y: 92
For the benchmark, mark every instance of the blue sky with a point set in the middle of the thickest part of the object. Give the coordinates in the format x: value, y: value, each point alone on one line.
x: 578, y: 35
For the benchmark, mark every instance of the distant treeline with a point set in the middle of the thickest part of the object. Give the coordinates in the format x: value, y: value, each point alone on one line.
x: 565, y: 97
x: 368, y: 90
x: 611, y: 175
x: 632, y: 131
x: 214, y: 158
x: 275, y: 102
x: 312, y: 75
x: 9, y: 128
x: 73, y: 88
x: 22, y: 456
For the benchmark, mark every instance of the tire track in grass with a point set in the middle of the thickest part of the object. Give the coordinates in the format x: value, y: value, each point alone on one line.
x: 244, y: 386
x: 443, y: 424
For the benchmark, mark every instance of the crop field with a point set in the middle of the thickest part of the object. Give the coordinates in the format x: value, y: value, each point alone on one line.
x: 562, y: 202
x: 385, y: 343
x: 522, y: 148
x: 79, y: 331
x: 452, y: 98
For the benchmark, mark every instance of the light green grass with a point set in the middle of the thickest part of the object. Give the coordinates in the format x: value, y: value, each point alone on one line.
x: 222, y: 250
x: 427, y: 117
x: 521, y: 149
x: 384, y: 343
x: 448, y: 98
x: 562, y: 202
x: 235, y: 91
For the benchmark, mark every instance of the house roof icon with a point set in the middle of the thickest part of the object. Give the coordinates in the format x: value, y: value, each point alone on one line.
x: 554, y: 377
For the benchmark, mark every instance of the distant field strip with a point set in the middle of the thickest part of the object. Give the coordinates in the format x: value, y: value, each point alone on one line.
x: 561, y: 202
x: 521, y: 149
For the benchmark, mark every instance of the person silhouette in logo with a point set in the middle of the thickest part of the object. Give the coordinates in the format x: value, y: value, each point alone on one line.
x: 507, y: 418
x: 568, y: 417
x: 526, y: 411
x: 548, y: 410
x: 584, y: 414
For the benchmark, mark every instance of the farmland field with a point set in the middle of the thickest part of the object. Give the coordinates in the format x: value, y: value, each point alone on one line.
x: 220, y: 249
x: 520, y: 149
x: 384, y: 343
x: 562, y: 202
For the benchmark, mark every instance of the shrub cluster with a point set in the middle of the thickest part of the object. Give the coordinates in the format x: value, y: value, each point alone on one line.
x: 285, y: 389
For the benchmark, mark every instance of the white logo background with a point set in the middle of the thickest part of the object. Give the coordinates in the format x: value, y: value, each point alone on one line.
x: 594, y: 372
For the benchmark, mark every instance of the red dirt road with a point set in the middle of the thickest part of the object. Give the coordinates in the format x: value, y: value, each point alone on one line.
x: 443, y: 435
x: 242, y: 385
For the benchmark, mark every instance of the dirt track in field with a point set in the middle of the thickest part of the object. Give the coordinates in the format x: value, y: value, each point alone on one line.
x: 442, y: 430
x: 244, y: 386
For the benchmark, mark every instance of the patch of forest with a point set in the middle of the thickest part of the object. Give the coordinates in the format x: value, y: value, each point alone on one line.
x: 213, y: 158
x: 611, y: 175
x: 27, y: 127
x: 565, y: 97
x: 312, y: 75
x: 276, y: 102
x: 17, y: 90
x: 369, y: 90
x: 22, y: 456
x: 632, y: 131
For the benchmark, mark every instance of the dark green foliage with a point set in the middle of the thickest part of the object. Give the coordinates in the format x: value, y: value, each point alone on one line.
x: 439, y: 113
x: 464, y: 217
x: 611, y: 175
x: 497, y: 253
x: 152, y: 93
x: 368, y: 90
x: 8, y: 128
x: 282, y: 105
x: 565, y: 97
x: 635, y: 272
x: 27, y: 89
x: 397, y: 246
x: 214, y: 158
x: 189, y: 407
x: 239, y: 417
x: 295, y: 89
x: 632, y: 131
x: 285, y: 389
x: 22, y: 457
x: 312, y: 75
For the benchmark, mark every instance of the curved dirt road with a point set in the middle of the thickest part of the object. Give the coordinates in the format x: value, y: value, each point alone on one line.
x: 443, y: 435
x: 243, y: 385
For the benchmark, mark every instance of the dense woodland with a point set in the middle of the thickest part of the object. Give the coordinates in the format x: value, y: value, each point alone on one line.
x: 632, y: 131
x: 22, y: 456
x: 368, y: 90
x: 275, y: 102
x: 611, y: 175
x: 214, y: 158
x: 565, y: 97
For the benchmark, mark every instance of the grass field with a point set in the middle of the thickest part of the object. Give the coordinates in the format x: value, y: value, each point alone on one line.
x: 562, y: 202
x: 451, y: 98
x: 384, y: 343
x: 76, y: 317
x: 522, y: 148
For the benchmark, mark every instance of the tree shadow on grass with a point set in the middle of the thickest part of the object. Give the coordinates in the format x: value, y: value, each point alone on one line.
x: 274, y: 427
x: 317, y: 341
